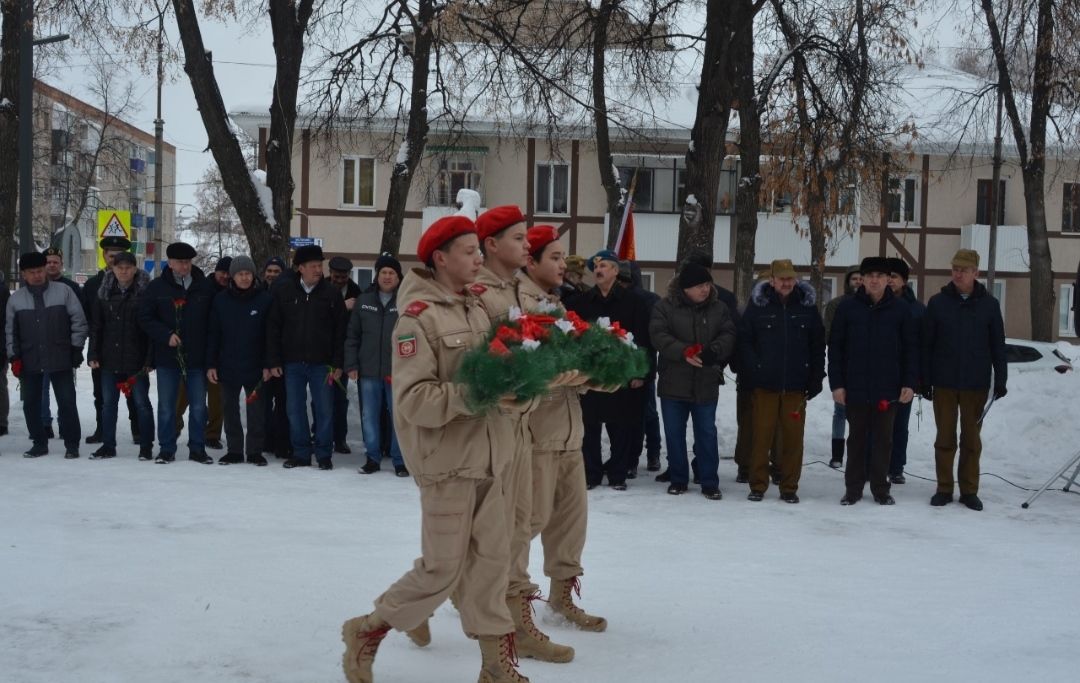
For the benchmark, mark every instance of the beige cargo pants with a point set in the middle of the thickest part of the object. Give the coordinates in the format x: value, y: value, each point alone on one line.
x: 518, y: 499
x: 560, y: 511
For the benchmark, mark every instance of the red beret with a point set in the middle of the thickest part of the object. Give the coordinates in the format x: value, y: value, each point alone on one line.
x: 497, y: 218
x: 440, y: 232
x: 539, y: 236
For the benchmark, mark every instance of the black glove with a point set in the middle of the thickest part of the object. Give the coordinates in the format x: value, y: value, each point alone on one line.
x: 927, y: 393
x: 813, y: 390
x: 76, y: 356
x: 709, y: 357
x: 1000, y: 391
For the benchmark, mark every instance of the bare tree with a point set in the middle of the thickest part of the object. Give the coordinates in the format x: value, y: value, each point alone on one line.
x: 215, y: 230
x: 10, y: 16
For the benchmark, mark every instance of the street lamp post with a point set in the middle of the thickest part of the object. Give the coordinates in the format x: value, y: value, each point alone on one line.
x: 26, y: 122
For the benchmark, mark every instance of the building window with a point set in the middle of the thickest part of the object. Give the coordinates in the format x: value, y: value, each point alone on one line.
x: 999, y: 294
x: 648, y: 279
x: 455, y: 174
x: 1065, y: 312
x: 982, y: 206
x: 363, y: 277
x: 1070, y: 208
x: 903, y: 199
x: 358, y: 182
x: 552, y: 188
x: 828, y: 287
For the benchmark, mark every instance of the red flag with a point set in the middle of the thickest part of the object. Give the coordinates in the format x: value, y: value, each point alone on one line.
x: 626, y: 249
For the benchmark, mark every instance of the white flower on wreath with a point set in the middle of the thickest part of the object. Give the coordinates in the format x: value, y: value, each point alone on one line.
x: 530, y: 344
x: 565, y: 325
x: 629, y: 340
x: 546, y: 305
x: 515, y: 313
x: 604, y: 322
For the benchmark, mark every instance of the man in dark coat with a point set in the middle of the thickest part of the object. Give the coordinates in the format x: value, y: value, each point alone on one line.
x: 46, y: 329
x: 120, y: 352
x: 218, y: 281
x: 649, y: 431
x: 782, y: 352
x: 110, y: 247
x: 899, y: 273
x: 54, y: 270
x: 174, y: 312
x: 341, y: 278
x: 963, y: 340
x: 623, y: 410
x: 5, y: 406
x: 873, y: 368
x: 277, y: 439
x: 236, y: 353
x: 305, y: 341
x: 693, y: 334
x: 369, y: 341
x: 852, y: 282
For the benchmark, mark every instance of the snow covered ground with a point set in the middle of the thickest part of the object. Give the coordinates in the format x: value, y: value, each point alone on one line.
x: 120, y: 570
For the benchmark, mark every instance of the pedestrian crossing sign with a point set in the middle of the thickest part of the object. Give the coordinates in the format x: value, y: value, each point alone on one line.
x: 112, y: 223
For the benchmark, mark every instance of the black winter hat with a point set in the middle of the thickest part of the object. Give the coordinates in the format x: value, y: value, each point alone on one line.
x: 897, y: 265
x: 180, y: 250
x: 341, y: 264
x: 223, y: 264
x: 124, y: 257
x: 693, y: 274
x: 32, y: 259
x: 308, y: 252
x: 875, y: 264
x: 388, y: 261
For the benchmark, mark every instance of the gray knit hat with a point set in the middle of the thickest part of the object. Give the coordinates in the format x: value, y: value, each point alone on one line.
x: 241, y: 263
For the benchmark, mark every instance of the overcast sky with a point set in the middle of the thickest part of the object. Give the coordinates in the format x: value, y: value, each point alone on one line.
x: 243, y: 62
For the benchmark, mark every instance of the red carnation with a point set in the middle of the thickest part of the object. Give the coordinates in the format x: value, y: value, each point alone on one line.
x: 498, y: 348
x: 795, y: 415
x: 693, y: 350
x: 507, y: 334
x: 617, y: 330
x: 883, y: 406
x: 531, y: 329
x: 252, y: 397
x: 579, y: 325
x: 179, y: 303
x: 16, y: 367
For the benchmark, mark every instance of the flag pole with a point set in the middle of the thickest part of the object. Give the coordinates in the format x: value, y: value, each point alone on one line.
x: 626, y: 211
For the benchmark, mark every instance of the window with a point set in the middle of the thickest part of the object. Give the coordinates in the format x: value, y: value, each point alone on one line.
x: 455, y: 174
x: 1070, y: 208
x: 648, y: 278
x: 643, y: 187
x: 552, y: 188
x: 982, y: 206
x: 725, y: 195
x: 1066, y: 315
x: 358, y: 182
x: 363, y: 277
x: 999, y: 294
x: 828, y: 287
x: 902, y: 199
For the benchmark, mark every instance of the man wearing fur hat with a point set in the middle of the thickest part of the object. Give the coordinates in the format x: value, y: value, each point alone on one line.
x: 504, y: 242
x: 369, y: 344
x: 46, y: 329
x: 899, y: 272
x: 236, y: 354
x: 121, y: 352
x: 963, y: 358
x: 174, y: 312
x: 852, y: 282
x: 873, y: 367
x: 782, y: 350
x: 458, y: 459
x: 305, y: 344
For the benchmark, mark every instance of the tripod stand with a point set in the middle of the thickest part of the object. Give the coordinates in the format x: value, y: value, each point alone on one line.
x: 1069, y: 481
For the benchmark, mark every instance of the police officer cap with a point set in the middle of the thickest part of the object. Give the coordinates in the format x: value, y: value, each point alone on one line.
x: 180, y: 250
x: 115, y: 242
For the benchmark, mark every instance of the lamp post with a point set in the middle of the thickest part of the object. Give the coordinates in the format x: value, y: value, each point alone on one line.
x: 26, y: 122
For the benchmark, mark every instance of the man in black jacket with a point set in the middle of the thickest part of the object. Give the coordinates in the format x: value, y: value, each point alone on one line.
x: 174, y: 312
x: 54, y: 270
x: 341, y: 278
x: 873, y: 368
x: 899, y: 273
x: 368, y: 344
x: 305, y: 341
x: 623, y: 410
x: 277, y: 419
x: 5, y: 406
x: 782, y: 352
x: 963, y: 339
x: 120, y: 352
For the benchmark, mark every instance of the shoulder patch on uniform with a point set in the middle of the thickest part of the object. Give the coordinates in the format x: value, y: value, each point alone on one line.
x: 406, y: 345
x: 416, y: 308
x: 477, y: 289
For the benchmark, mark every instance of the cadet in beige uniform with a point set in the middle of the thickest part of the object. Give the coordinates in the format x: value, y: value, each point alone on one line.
x: 503, y: 239
x: 559, y: 496
x: 454, y: 456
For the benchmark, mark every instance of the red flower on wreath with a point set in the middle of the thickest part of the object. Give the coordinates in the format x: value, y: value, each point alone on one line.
x: 693, y: 350
x: 507, y: 334
x: 575, y: 320
x: 531, y: 329
x: 498, y: 348
x: 617, y: 330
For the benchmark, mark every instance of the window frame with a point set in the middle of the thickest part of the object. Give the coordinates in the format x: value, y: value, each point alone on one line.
x: 357, y: 206
x: 549, y: 165
x: 1065, y: 301
x: 355, y: 275
x: 916, y: 201
x: 443, y: 174
x: 998, y: 282
x: 982, y: 191
x: 1074, y: 222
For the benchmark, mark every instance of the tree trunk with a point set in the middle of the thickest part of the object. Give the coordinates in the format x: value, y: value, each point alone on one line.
x: 288, y: 22
x: 9, y: 130
x: 265, y: 239
x: 417, y: 132
x: 746, y: 196
x: 818, y: 234
x: 609, y: 177
x: 1043, y: 321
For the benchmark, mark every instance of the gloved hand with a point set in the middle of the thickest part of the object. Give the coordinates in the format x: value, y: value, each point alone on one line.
x: 76, y: 356
x: 16, y: 366
x: 1000, y: 391
x: 927, y: 392
x: 813, y: 389
x: 709, y: 357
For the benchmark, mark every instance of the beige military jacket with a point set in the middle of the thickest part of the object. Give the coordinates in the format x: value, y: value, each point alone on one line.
x: 556, y: 423
x: 440, y: 438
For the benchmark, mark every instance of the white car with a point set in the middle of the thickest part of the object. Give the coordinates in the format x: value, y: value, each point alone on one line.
x: 1024, y: 354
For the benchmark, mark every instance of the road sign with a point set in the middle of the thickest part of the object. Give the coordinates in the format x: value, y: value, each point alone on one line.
x: 297, y: 242
x: 112, y: 223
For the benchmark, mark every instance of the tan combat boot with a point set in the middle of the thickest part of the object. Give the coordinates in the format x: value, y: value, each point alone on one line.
x: 562, y: 601
x: 421, y: 635
x: 530, y: 641
x: 362, y: 636
x: 499, y: 660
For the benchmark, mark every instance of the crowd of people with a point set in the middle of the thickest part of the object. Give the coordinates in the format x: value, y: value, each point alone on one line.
x: 289, y: 340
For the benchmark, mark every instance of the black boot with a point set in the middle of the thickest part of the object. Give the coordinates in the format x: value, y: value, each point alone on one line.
x: 93, y: 438
x: 257, y: 459
x: 837, y: 454
x: 231, y: 459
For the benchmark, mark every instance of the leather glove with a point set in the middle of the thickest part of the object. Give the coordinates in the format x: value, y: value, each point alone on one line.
x: 813, y: 390
x: 927, y: 393
x: 709, y: 357
x: 1000, y: 391
x: 76, y: 356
